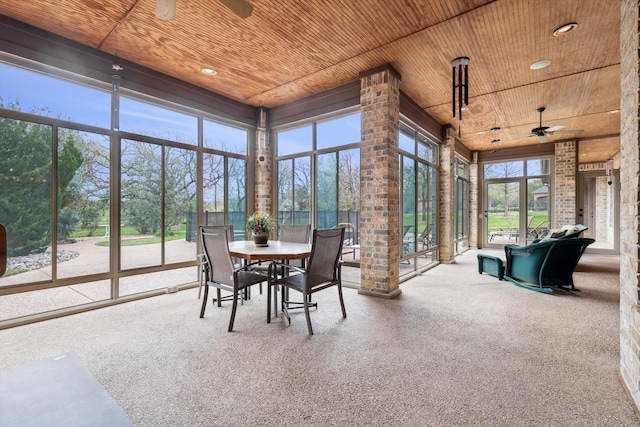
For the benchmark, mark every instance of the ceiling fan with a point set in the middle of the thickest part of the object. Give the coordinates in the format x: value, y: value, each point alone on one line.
x: 542, y: 131
x: 166, y: 9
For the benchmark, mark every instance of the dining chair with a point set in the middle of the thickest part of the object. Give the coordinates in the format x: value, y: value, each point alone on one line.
x: 203, y: 265
x: 221, y: 272
x: 323, y: 270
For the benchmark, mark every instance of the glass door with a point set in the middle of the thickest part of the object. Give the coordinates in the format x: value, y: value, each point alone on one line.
x: 502, y: 222
x: 598, y: 204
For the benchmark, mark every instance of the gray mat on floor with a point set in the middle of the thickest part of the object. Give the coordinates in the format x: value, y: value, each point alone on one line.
x: 58, y: 391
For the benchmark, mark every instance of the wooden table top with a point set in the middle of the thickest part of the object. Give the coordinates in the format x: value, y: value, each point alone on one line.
x: 277, y: 250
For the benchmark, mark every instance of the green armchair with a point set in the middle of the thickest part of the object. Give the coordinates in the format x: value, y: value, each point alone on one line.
x: 549, y: 263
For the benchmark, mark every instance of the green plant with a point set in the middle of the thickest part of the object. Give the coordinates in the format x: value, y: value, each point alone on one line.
x: 260, y: 223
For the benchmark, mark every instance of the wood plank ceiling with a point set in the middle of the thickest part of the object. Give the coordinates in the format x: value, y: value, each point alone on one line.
x: 289, y: 49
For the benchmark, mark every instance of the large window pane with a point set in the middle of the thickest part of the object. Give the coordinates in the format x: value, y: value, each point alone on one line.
x: 339, y: 131
x: 327, y: 190
x: 141, y: 204
x: 407, y: 141
x: 237, y: 195
x: 302, y: 190
x: 408, y: 230
x: 33, y: 92
x: 503, y: 170
x: 349, y: 193
x: 297, y: 140
x: 160, y: 122
x: 285, y: 192
x: 224, y: 137
x: 25, y: 198
x: 83, y: 200
x: 213, y: 188
x: 180, y: 176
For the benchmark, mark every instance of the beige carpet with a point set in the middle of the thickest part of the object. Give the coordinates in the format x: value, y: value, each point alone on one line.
x: 454, y: 349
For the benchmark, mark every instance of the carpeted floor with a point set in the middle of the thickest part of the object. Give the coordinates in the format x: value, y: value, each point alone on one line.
x: 454, y: 349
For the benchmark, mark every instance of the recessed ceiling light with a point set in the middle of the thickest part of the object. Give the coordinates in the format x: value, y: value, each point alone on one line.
x: 614, y: 111
x: 481, y: 132
x: 565, y: 29
x: 209, y: 71
x: 540, y: 65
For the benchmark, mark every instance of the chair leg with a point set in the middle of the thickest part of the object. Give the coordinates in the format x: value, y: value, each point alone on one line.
x: 204, y: 301
x: 305, y: 298
x: 269, y: 303
x: 233, y: 310
x: 219, y: 295
x: 344, y: 312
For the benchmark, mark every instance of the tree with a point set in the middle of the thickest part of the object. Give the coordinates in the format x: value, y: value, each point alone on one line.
x: 26, y: 153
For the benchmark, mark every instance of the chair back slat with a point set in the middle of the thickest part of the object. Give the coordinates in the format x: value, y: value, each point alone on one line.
x: 326, y: 248
x: 228, y: 228
x: 215, y: 244
x: 295, y: 234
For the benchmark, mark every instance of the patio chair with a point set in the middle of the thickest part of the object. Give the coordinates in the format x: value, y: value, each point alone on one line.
x: 425, y: 237
x: 549, y: 263
x: 221, y: 273
x: 203, y: 265
x: 323, y: 270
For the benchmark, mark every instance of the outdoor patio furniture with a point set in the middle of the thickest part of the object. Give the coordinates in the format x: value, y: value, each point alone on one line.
x: 491, y: 265
x: 220, y: 271
x: 323, y: 271
x: 201, y: 258
x: 549, y: 263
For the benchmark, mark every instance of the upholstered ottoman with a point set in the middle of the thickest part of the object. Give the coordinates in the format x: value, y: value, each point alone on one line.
x: 491, y: 265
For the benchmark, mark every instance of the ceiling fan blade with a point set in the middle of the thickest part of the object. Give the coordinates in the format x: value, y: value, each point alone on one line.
x: 240, y: 7
x: 166, y: 9
x: 565, y: 131
x: 554, y: 128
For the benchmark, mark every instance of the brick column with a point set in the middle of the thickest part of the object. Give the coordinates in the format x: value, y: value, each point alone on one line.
x: 566, y: 156
x: 262, y: 187
x: 379, y: 183
x: 629, y: 198
x: 446, y: 209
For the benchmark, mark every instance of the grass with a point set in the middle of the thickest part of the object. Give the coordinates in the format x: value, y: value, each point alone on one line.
x: 499, y: 221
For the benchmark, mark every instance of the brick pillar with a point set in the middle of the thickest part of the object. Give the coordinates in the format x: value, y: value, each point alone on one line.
x: 630, y: 198
x: 446, y: 209
x: 262, y: 187
x: 566, y: 156
x: 379, y: 183
x: 474, y: 203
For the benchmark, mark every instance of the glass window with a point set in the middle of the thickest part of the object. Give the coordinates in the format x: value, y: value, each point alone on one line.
x: 26, y: 194
x: 408, y: 232
x: 407, y: 141
x: 237, y: 194
x: 141, y: 204
x: 180, y: 198
x: 538, y: 167
x: 294, y: 191
x: 156, y: 121
x: 503, y: 170
x: 83, y: 203
x: 338, y: 131
x: 297, y: 140
x: 37, y: 93
x: 327, y: 190
x: 427, y: 150
x: 224, y: 137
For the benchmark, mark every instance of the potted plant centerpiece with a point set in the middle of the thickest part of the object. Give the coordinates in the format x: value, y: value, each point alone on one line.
x: 260, y: 225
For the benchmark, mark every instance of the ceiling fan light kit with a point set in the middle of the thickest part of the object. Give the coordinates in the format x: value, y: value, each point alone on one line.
x: 565, y: 29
